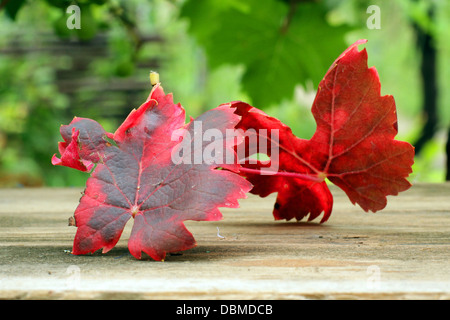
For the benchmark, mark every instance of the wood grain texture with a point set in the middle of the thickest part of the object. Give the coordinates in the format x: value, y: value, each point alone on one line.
x: 401, y: 252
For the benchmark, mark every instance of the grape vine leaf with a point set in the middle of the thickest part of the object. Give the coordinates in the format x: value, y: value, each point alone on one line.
x: 353, y: 145
x: 275, y: 42
x: 135, y: 176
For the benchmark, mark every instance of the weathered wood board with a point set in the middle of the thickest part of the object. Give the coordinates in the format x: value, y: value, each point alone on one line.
x: 402, y: 252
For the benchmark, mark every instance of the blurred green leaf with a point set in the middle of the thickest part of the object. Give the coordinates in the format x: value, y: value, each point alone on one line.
x: 89, y: 26
x: 59, y: 3
x: 280, y: 45
x: 428, y: 166
x: 12, y: 8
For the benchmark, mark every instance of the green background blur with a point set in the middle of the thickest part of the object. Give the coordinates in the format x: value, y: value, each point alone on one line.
x: 269, y: 53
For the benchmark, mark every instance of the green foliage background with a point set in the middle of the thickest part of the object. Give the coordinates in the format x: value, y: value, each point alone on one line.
x: 270, y: 53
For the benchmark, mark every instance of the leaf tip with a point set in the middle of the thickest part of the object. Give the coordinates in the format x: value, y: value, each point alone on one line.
x: 55, y: 160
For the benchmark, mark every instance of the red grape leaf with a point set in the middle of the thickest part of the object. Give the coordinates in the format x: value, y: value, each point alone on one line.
x: 353, y: 146
x: 135, y: 176
x: 83, y: 145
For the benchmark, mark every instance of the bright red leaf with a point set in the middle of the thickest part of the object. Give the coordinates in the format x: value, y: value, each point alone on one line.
x: 136, y: 177
x: 353, y: 146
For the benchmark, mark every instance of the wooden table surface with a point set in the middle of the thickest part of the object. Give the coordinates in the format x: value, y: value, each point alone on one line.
x: 401, y: 252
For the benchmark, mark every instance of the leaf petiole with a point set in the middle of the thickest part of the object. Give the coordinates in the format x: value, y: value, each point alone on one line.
x: 315, y: 178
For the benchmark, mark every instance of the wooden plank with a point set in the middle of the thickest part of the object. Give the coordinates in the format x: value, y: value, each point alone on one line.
x: 401, y: 252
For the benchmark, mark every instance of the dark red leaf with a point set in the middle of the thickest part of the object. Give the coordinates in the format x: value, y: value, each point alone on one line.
x: 84, y: 144
x: 136, y: 176
x: 353, y: 146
